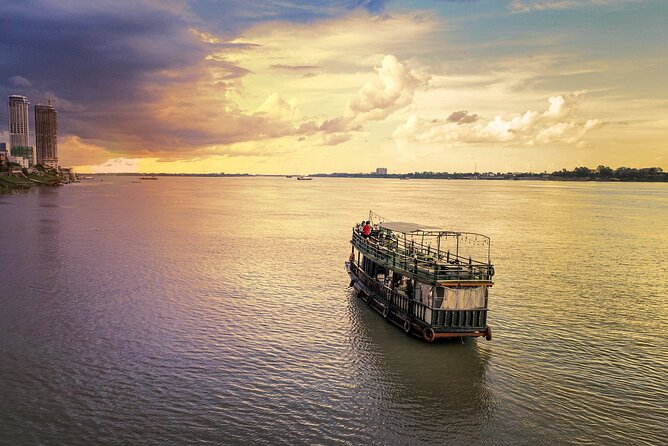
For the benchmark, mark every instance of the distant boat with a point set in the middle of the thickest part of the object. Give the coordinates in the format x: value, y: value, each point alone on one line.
x: 304, y: 178
x: 88, y: 178
x: 288, y: 176
x: 148, y: 178
x: 405, y: 178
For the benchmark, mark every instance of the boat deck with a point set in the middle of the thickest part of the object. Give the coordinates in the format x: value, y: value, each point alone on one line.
x: 424, y: 263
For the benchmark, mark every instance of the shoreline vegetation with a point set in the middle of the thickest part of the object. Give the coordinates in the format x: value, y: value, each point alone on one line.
x: 601, y: 173
x: 13, y: 179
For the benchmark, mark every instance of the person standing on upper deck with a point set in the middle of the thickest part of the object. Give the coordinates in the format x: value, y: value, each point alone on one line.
x: 366, y: 230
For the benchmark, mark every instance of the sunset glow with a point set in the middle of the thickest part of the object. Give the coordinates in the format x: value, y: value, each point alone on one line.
x: 345, y: 86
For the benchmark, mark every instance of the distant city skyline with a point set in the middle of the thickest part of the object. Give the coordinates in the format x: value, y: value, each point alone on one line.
x: 346, y: 86
x: 45, y: 149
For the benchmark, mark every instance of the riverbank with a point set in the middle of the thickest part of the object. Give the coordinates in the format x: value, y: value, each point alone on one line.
x: 18, y: 181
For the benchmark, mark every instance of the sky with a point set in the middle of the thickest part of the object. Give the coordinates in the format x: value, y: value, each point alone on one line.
x: 299, y: 87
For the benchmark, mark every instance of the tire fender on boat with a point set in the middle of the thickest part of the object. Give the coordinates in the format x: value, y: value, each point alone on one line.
x: 428, y: 334
x: 407, y: 326
x: 386, y: 311
x: 488, y: 333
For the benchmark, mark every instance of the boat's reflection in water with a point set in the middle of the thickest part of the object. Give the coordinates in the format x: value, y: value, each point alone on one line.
x: 423, y: 393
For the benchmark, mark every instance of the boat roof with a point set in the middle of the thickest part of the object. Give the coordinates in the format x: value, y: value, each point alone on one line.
x: 408, y: 228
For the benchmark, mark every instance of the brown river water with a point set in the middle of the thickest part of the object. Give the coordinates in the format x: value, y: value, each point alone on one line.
x: 217, y: 311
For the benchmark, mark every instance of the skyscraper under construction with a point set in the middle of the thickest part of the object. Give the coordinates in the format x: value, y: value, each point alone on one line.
x: 46, y: 139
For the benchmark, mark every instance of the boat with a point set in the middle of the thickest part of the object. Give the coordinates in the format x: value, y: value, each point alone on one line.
x: 432, y: 282
x: 148, y: 178
x: 304, y: 178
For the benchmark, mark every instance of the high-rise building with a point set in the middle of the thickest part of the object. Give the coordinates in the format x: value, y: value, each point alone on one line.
x: 381, y: 171
x: 19, y: 128
x: 46, y: 135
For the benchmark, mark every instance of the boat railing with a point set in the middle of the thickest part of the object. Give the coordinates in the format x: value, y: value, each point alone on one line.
x: 425, y: 265
x: 435, y: 317
x: 392, y: 297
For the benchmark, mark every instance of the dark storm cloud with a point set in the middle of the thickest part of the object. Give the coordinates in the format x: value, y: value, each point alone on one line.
x: 96, y: 59
x: 113, y: 67
x: 94, y: 54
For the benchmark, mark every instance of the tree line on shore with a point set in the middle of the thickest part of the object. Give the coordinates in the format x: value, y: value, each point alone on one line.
x: 601, y: 173
x: 621, y: 173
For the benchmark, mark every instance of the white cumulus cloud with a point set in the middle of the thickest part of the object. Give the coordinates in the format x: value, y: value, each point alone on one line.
x: 547, y: 5
x: 391, y: 91
x: 558, y: 123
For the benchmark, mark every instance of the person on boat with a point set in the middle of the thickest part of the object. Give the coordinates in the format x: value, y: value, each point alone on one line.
x: 366, y: 230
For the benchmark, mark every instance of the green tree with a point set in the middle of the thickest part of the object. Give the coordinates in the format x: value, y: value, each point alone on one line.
x: 604, y: 171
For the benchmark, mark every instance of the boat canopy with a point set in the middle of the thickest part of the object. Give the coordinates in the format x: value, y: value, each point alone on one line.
x: 409, y: 239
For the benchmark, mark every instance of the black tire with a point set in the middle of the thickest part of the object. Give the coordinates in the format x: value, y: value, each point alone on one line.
x: 428, y: 334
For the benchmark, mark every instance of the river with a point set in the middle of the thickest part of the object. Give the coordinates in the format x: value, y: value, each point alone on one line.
x: 217, y: 311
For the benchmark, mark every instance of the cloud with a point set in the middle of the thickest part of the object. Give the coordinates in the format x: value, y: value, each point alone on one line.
x: 336, y: 139
x: 548, y: 5
x: 392, y: 90
x: 277, y: 108
x: 157, y: 78
x: 557, y: 124
x: 73, y: 151
x: 230, y: 17
x: 462, y: 117
x: 113, y: 165
x: 338, y: 45
x: 20, y: 81
x: 281, y: 66
x: 102, y: 62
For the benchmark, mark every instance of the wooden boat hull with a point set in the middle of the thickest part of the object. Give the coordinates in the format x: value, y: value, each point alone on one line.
x: 403, y: 313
